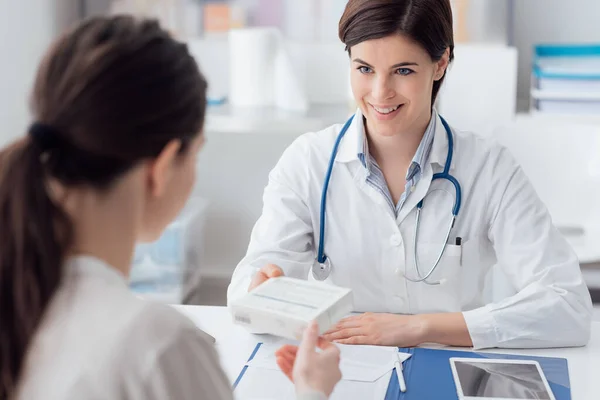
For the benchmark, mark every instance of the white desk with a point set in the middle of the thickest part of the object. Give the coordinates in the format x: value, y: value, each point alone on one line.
x: 235, y: 345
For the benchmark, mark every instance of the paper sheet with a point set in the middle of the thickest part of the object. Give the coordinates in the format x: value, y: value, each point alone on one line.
x: 267, y: 384
x: 358, y: 363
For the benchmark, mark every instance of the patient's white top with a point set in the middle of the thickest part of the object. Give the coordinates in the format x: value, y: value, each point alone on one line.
x: 99, y: 341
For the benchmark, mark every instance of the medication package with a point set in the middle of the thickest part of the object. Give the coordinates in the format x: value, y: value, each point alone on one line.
x: 285, y: 306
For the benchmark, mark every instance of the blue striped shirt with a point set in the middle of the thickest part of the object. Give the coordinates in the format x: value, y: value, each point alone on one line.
x: 375, y: 176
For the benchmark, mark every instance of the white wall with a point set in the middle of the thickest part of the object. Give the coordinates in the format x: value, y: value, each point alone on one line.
x: 26, y: 29
x: 232, y: 179
x: 551, y: 21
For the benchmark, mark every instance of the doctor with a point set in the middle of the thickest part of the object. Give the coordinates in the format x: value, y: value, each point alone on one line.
x: 415, y: 213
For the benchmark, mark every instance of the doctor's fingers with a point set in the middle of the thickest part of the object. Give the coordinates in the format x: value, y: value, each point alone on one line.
x: 264, y: 274
x: 344, y: 334
x: 271, y: 271
x: 351, y: 322
x: 356, y: 340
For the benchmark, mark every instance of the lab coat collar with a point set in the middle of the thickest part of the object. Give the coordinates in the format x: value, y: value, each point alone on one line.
x: 347, y: 150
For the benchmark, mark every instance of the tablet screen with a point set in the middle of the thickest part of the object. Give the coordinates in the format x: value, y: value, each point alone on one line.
x: 490, y: 380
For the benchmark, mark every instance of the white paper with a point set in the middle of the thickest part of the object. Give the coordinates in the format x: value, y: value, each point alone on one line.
x: 358, y: 363
x: 265, y: 384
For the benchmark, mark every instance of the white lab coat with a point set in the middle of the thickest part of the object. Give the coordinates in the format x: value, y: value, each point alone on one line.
x: 501, y: 221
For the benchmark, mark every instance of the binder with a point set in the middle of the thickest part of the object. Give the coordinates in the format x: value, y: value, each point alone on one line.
x: 566, y: 79
x: 241, y: 375
x: 428, y: 374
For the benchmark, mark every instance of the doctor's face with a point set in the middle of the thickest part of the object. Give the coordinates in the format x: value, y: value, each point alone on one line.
x: 392, y: 80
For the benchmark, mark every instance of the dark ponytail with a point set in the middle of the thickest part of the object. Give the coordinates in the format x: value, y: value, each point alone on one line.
x: 34, y: 236
x: 109, y: 94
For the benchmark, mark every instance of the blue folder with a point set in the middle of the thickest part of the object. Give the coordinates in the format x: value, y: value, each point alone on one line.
x: 569, y: 58
x: 241, y: 375
x: 428, y: 374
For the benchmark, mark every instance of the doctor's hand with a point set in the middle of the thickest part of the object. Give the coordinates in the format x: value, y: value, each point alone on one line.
x: 264, y: 274
x: 378, y: 329
x: 311, y: 371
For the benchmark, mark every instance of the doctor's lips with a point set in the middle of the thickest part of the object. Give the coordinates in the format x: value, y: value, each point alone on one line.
x: 386, y: 111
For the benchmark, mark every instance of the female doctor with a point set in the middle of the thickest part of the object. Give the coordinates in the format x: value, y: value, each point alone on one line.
x: 415, y: 213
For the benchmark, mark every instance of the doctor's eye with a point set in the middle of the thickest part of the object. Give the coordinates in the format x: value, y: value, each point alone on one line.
x: 404, y: 71
x: 364, y: 70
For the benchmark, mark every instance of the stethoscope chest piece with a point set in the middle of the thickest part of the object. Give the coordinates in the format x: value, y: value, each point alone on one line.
x: 321, y: 271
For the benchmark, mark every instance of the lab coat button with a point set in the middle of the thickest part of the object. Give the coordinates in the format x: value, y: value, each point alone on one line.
x: 396, y: 240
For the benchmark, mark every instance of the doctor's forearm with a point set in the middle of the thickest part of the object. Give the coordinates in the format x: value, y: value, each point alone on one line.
x: 448, y: 329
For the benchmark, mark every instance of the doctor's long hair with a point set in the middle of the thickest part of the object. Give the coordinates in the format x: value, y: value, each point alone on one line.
x: 110, y: 93
x: 426, y: 22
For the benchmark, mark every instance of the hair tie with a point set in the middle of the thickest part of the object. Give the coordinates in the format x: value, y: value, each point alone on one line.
x: 44, y: 136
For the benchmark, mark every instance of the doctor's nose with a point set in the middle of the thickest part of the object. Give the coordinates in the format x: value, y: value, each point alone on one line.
x: 382, y: 89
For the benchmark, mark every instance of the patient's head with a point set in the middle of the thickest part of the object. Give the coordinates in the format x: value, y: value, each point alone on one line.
x: 118, y: 106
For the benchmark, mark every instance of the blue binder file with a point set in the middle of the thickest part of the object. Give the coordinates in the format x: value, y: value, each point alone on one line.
x: 241, y: 375
x: 428, y: 374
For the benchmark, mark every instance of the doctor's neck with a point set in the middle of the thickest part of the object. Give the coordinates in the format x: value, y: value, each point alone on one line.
x: 396, y: 146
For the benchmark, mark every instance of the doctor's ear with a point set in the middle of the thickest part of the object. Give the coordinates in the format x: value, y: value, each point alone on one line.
x: 441, y: 65
x: 161, y: 169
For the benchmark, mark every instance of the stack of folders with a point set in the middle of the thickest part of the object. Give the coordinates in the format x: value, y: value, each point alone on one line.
x: 566, y: 79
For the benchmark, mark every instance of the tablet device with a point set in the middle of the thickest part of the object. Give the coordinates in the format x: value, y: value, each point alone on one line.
x: 489, y: 379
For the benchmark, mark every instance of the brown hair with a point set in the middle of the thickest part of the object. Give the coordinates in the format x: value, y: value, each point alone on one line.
x: 108, y: 94
x: 426, y: 22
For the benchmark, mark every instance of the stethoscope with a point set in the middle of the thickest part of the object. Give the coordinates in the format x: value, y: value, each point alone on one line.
x: 322, y: 266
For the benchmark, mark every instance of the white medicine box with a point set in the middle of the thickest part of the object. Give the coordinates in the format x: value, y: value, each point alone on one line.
x: 285, y: 306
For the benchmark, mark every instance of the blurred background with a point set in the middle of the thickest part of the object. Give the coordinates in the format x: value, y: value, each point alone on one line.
x: 526, y: 71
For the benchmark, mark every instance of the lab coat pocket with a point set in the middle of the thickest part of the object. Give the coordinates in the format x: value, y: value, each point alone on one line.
x: 443, y: 292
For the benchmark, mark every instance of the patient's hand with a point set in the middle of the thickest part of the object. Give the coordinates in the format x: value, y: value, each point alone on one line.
x: 308, y: 369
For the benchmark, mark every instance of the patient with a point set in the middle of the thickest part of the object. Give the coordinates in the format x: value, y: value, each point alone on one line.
x: 110, y: 160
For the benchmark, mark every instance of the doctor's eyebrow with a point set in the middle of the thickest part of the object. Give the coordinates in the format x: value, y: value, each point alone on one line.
x: 399, y: 65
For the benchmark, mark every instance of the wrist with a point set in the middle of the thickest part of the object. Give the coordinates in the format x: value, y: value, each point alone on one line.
x: 448, y: 329
x: 422, y: 328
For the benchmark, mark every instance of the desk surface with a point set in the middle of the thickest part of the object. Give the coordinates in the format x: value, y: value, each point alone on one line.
x: 235, y: 344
